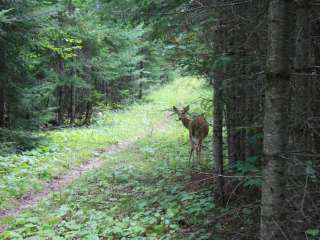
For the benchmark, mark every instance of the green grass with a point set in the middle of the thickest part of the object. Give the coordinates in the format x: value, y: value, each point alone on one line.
x: 20, y: 173
x: 145, y: 192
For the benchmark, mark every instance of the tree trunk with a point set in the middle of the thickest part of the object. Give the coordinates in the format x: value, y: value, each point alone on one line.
x: 140, y: 90
x: 217, y: 136
x: 231, y: 122
x: 61, y: 92
x: 299, y: 113
x: 275, y: 124
x: 3, y: 85
x: 60, y: 117
x: 231, y: 135
x: 72, y: 104
x: 105, y: 92
x: 2, y: 108
x: 88, y: 113
x: 141, y: 78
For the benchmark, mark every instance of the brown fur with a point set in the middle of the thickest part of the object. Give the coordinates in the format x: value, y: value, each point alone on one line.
x: 198, y: 130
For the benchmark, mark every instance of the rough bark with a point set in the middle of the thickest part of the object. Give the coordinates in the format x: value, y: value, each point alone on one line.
x: 141, y: 77
x: 140, y: 90
x: 72, y: 104
x: 232, y: 138
x: 313, y: 94
x: 275, y: 124
x: 60, y: 93
x: 2, y: 91
x: 217, y: 136
x: 88, y: 115
x: 2, y: 108
x: 105, y: 92
x: 60, y: 114
x: 300, y: 79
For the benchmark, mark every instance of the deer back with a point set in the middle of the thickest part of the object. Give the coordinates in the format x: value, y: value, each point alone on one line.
x: 198, y: 128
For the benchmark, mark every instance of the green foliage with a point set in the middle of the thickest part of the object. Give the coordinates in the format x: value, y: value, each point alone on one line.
x: 250, y: 168
x: 141, y: 193
x: 4, y: 16
x: 138, y: 194
x: 313, y: 233
x: 69, y: 147
x: 60, y: 59
x: 12, y: 141
x: 310, y: 170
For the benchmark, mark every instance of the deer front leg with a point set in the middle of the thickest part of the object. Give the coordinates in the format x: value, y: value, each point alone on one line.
x: 198, y: 154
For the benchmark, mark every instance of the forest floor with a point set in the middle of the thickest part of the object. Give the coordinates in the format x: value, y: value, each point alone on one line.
x: 137, y: 184
x: 58, y: 183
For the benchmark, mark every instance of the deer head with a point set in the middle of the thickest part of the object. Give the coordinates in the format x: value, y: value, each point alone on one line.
x: 181, y: 113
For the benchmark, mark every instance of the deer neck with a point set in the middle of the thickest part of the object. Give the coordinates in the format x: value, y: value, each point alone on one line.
x: 185, y: 121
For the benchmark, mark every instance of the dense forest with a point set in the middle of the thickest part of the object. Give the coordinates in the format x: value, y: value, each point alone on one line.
x: 56, y: 62
x: 92, y: 81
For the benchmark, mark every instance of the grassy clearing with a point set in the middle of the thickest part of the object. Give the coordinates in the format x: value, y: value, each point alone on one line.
x: 20, y: 173
x: 145, y: 192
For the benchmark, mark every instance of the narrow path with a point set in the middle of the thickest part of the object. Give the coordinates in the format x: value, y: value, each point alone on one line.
x: 58, y: 183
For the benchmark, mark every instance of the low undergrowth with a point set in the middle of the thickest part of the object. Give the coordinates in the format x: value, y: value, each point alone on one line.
x: 63, y: 149
x: 145, y: 192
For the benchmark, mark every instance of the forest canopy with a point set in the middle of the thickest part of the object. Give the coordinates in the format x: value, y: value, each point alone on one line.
x: 62, y: 59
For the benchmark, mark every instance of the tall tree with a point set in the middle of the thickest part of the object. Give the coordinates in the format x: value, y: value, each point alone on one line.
x: 218, y: 106
x: 298, y: 137
x: 275, y: 123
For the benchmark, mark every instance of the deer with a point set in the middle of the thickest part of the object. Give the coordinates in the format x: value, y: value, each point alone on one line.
x: 198, y: 130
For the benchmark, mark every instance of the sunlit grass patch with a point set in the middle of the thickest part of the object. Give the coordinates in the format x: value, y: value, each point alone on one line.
x: 20, y: 173
x: 183, y: 91
x: 140, y: 193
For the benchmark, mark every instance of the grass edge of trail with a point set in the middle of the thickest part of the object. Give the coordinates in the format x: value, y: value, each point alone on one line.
x: 71, y: 147
x: 144, y: 192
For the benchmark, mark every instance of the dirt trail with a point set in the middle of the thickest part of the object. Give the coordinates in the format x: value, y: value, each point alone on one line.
x: 58, y: 183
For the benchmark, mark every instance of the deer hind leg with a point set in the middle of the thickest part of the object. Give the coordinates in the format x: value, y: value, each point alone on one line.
x: 191, y: 155
x: 199, y: 146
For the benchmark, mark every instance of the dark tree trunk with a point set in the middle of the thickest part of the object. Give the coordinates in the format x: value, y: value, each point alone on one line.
x: 60, y: 114
x: 300, y: 79
x: 105, y: 92
x: 140, y: 90
x: 60, y: 93
x: 2, y: 108
x: 88, y: 113
x: 275, y: 124
x: 241, y: 120
x: 231, y: 135
x: 72, y: 105
x: 218, y: 137
x: 230, y: 117
x: 141, y: 79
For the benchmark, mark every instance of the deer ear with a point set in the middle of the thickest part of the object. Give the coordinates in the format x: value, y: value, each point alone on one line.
x: 186, y: 109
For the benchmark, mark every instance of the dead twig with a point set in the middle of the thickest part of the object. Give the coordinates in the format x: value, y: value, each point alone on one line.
x: 304, y: 196
x: 282, y: 232
x: 233, y: 191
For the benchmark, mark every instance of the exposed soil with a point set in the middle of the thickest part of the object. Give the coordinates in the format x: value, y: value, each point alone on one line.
x: 58, y: 183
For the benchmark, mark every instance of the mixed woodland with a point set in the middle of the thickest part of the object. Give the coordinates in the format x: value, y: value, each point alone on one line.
x: 77, y: 76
